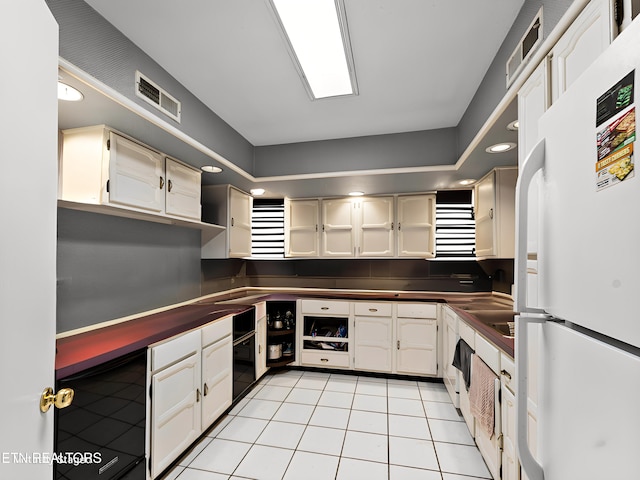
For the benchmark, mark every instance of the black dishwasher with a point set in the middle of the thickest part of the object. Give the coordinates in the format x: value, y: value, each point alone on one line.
x: 101, y: 435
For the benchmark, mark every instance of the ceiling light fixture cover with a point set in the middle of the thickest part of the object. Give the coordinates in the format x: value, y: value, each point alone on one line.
x: 513, y: 126
x: 501, y: 147
x: 356, y: 194
x: 257, y: 191
x: 67, y: 92
x: 211, y: 169
x: 318, y: 40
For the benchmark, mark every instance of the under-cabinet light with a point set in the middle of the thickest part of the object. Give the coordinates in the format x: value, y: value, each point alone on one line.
x: 318, y: 41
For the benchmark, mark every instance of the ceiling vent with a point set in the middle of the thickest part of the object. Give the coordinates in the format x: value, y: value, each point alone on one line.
x: 156, y: 96
x: 525, y: 48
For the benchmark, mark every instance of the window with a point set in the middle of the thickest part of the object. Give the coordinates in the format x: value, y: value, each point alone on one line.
x: 267, y: 228
x: 455, y: 224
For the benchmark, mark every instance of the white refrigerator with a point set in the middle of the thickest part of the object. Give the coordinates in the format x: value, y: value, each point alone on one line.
x: 588, y: 416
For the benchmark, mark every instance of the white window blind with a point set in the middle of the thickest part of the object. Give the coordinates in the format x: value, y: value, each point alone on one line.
x: 267, y: 228
x: 455, y: 224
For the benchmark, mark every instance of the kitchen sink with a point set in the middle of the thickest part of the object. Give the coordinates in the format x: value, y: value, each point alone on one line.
x: 499, y: 320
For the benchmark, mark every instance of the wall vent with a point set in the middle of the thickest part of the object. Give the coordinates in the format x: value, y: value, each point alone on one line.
x: 156, y: 96
x: 526, y: 46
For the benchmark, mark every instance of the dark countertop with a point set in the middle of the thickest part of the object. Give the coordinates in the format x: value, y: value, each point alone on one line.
x: 85, y: 350
x: 80, y: 351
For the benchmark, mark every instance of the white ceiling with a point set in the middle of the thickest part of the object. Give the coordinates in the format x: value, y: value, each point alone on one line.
x: 418, y: 62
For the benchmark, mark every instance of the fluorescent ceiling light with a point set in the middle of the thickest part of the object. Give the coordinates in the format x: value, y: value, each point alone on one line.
x: 66, y: 92
x: 318, y: 40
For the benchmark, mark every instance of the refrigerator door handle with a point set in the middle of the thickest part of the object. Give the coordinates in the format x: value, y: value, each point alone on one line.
x: 529, y: 464
x: 533, y: 163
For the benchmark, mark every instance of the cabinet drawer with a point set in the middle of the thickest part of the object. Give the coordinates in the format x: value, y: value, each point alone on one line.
x: 174, y: 349
x: 325, y: 359
x: 373, y: 309
x: 417, y: 310
x: 216, y: 330
x: 488, y: 353
x: 508, y: 372
x: 325, y: 307
x: 467, y: 333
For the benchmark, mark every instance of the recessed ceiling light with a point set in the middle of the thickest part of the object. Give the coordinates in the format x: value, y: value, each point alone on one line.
x: 257, y: 191
x: 318, y: 42
x: 467, y: 181
x: 356, y: 194
x: 211, y: 169
x: 513, y: 125
x: 501, y: 147
x: 68, y: 93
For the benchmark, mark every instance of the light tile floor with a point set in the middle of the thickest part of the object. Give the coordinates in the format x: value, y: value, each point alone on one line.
x: 319, y: 426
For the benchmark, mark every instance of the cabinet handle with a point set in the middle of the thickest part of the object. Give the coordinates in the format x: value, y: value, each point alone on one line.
x: 324, y: 308
x: 398, y: 226
x: 169, y: 185
x: 232, y: 221
x: 398, y: 344
x: 161, y: 182
x: 324, y: 359
x: 373, y: 309
x: 205, y: 390
x: 391, y: 225
x: 506, y: 374
x: 491, y: 213
x: 259, y: 348
x: 197, y: 395
x: 316, y: 227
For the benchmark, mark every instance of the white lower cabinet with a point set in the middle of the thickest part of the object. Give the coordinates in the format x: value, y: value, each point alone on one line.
x: 373, y: 336
x: 417, y: 339
x: 261, y: 340
x: 175, y: 397
x: 510, y: 465
x: 191, y: 386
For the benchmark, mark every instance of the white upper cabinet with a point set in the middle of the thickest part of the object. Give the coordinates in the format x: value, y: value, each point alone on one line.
x: 495, y: 213
x: 533, y: 101
x: 101, y: 167
x: 416, y: 225
x: 136, y: 175
x: 375, y: 227
x: 183, y: 190
x: 227, y: 206
x: 338, y: 232
x: 587, y: 37
x: 301, y: 228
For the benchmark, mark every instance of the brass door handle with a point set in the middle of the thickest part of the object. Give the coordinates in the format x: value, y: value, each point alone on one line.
x: 62, y: 399
x: 161, y: 183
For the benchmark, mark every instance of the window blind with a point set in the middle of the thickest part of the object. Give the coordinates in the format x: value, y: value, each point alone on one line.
x: 455, y: 224
x: 267, y: 228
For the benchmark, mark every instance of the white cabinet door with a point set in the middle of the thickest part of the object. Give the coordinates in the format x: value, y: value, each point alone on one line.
x: 373, y: 343
x: 416, y: 346
x: 375, y: 227
x: 337, y: 228
x: 416, y: 225
x: 449, y: 342
x: 301, y: 228
x: 510, y: 466
x: 240, y: 205
x: 175, y: 411
x: 495, y: 213
x: 136, y: 175
x: 217, y: 378
x: 261, y: 347
x: 587, y: 37
x: 533, y: 101
x: 183, y: 190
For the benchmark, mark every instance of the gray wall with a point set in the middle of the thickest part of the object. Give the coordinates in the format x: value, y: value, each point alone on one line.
x: 110, y: 267
x: 94, y: 45
x: 494, y: 85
